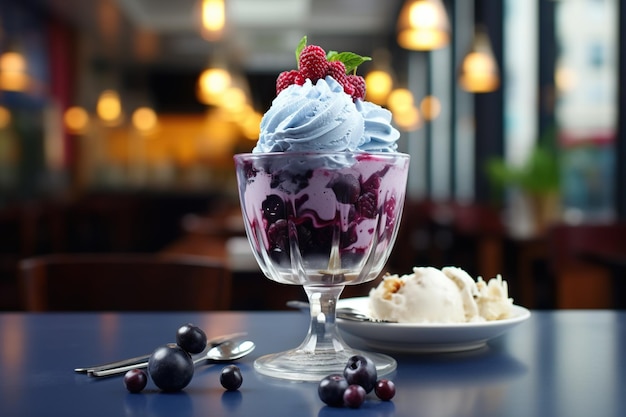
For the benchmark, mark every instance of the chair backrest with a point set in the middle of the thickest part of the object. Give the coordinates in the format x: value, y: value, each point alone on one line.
x: 581, y: 282
x: 124, y: 282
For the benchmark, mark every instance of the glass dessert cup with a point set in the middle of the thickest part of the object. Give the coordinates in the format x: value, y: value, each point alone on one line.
x: 323, y: 221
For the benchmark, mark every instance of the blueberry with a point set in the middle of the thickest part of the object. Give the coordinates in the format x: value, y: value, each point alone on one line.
x: 331, y: 389
x: 170, y: 368
x: 347, y: 188
x: 361, y: 370
x: 273, y: 208
x: 385, y: 389
x: 277, y: 235
x: 231, y: 377
x: 135, y: 380
x: 354, y: 396
x: 191, y: 338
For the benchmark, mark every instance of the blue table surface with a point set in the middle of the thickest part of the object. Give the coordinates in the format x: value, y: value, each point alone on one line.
x: 561, y: 363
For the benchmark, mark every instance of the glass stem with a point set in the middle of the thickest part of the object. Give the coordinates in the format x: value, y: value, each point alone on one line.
x: 323, y: 335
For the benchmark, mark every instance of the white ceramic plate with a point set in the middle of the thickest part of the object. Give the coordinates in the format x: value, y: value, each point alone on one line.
x: 425, y: 337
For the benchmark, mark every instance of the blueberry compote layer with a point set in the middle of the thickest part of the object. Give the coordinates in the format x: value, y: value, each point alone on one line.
x: 328, y: 220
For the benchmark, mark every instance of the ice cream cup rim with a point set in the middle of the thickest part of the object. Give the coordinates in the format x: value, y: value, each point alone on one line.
x: 321, y: 154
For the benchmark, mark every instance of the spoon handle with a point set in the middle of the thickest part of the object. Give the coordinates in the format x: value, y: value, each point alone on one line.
x: 144, y: 358
x: 140, y: 365
x: 118, y: 370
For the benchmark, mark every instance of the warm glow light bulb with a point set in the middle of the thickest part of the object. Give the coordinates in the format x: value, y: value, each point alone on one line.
x: 378, y: 85
x: 144, y: 119
x: 423, y: 14
x: 109, y: 107
x: 400, y: 100
x: 76, y: 119
x: 479, y: 73
x: 213, y: 18
x: 214, y: 81
x: 13, y: 76
x: 423, y: 25
x: 430, y: 107
x: 408, y: 119
x: 12, y: 62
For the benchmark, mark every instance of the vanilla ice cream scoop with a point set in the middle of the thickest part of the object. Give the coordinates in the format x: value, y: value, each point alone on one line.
x: 426, y: 296
x: 430, y: 295
x: 493, y: 299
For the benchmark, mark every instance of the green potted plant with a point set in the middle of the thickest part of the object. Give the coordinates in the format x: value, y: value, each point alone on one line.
x: 538, y: 180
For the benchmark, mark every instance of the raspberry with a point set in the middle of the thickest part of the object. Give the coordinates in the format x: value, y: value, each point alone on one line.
x: 367, y: 205
x: 337, y: 70
x: 285, y: 79
x: 358, y: 83
x: 299, y: 79
x: 373, y: 183
x: 312, y: 63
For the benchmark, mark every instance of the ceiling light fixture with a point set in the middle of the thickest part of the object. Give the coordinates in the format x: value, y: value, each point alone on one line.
x: 109, y: 108
x: 13, y: 76
x: 76, y: 120
x: 380, y: 80
x: 213, y: 19
x: 423, y: 25
x: 145, y: 120
x: 479, y: 69
x: 212, y: 84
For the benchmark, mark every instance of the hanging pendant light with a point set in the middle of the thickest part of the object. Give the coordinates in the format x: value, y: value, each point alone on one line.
x: 213, y: 15
x: 423, y: 25
x: 13, y: 75
x: 380, y: 80
x: 479, y: 69
x: 109, y: 108
x: 212, y: 83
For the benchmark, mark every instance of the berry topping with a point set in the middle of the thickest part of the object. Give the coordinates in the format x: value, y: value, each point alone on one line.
x: 358, y: 83
x: 285, y: 79
x: 337, y: 70
x: 313, y: 63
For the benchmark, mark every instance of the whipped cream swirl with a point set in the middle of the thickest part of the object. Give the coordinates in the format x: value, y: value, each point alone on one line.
x: 311, y: 118
x: 379, y: 135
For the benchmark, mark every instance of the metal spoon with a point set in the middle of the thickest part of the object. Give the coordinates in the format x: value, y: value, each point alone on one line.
x: 217, y: 340
x: 346, y: 313
x: 227, y: 351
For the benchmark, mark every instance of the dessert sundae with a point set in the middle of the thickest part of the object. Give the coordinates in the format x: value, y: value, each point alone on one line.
x: 430, y: 295
x: 341, y: 188
x: 322, y: 194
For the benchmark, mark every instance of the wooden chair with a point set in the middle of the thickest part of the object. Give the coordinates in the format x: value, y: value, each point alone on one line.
x: 580, y: 281
x: 123, y: 282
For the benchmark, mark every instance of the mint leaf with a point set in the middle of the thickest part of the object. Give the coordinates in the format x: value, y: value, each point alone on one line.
x: 301, y: 46
x: 330, y: 55
x: 349, y: 59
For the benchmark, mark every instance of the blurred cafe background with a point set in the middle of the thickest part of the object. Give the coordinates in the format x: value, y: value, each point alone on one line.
x: 119, y: 120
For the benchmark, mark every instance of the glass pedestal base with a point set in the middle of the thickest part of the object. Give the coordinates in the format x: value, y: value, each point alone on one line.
x: 300, y: 365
